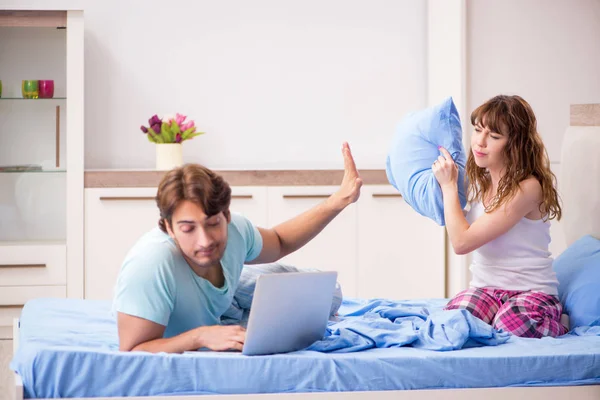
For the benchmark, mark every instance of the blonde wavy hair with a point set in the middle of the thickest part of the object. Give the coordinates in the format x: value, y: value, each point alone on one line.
x: 524, y: 155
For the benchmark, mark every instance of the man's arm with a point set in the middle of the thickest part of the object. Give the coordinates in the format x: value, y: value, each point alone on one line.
x: 139, y: 334
x: 291, y: 235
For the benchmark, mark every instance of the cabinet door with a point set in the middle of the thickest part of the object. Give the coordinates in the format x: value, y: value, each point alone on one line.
x: 251, y: 202
x: 116, y: 218
x: 401, y: 254
x: 334, y: 249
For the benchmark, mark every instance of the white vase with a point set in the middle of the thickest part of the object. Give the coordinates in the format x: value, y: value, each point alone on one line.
x: 168, y: 156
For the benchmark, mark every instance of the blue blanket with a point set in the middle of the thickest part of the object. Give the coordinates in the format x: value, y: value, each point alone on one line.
x: 383, y: 324
x: 377, y: 323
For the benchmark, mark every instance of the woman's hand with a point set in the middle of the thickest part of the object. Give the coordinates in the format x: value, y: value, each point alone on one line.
x: 445, y: 170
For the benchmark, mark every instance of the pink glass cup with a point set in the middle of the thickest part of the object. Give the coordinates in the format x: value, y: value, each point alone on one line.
x: 46, y: 89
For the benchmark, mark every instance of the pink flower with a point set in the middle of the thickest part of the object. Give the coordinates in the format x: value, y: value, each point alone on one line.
x: 178, y: 138
x: 144, y: 129
x: 180, y: 118
x: 187, y: 125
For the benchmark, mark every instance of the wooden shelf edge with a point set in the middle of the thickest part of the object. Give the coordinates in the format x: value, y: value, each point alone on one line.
x: 123, y: 178
x: 33, y: 19
x: 585, y: 115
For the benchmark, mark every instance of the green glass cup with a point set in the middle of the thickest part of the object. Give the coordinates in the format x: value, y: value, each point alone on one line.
x: 29, y: 89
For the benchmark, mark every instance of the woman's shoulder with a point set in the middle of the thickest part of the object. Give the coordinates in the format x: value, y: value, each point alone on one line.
x: 528, y: 198
x: 531, y: 187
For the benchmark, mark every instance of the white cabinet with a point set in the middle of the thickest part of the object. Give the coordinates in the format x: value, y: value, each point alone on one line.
x: 334, y: 249
x: 115, y: 218
x: 401, y: 254
x: 379, y: 246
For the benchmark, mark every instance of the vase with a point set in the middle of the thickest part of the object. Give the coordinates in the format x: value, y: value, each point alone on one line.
x: 168, y: 156
x: 29, y: 89
x: 46, y: 89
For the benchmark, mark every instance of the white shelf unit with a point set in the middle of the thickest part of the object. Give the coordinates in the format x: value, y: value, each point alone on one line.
x: 41, y: 211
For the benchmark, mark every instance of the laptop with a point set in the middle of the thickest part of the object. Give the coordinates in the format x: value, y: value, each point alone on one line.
x: 289, y: 311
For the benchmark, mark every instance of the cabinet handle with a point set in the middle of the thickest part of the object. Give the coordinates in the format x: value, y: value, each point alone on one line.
x: 113, y: 198
x: 22, y: 266
x: 306, y: 196
x: 386, y: 195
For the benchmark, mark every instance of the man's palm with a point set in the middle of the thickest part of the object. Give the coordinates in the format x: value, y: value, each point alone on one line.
x: 349, y: 190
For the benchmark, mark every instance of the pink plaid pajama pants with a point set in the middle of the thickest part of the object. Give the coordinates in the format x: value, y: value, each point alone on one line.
x: 525, y: 314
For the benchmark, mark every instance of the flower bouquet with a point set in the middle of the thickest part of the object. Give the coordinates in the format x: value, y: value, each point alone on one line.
x: 170, y: 129
x: 168, y: 134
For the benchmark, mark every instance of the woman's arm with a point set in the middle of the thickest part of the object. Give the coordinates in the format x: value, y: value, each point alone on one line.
x: 464, y: 237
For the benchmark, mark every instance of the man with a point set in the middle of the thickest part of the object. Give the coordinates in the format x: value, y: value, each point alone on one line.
x: 179, y: 279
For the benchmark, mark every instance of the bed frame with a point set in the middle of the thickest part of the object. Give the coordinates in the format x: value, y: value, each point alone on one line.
x: 586, y: 392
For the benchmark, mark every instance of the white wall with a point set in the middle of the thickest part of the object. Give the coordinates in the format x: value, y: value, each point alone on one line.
x: 548, y: 52
x: 276, y: 84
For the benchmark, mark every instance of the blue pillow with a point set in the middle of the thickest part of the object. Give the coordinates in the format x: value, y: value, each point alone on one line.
x: 578, y: 273
x: 415, y: 148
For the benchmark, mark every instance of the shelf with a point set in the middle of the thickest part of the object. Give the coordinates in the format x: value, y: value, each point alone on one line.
x: 20, y: 98
x: 39, y: 171
x: 33, y: 19
x: 33, y: 243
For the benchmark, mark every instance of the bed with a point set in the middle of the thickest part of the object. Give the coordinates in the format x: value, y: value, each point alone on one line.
x: 68, y: 348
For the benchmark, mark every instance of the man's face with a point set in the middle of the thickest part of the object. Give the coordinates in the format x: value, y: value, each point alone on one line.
x: 201, y: 239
